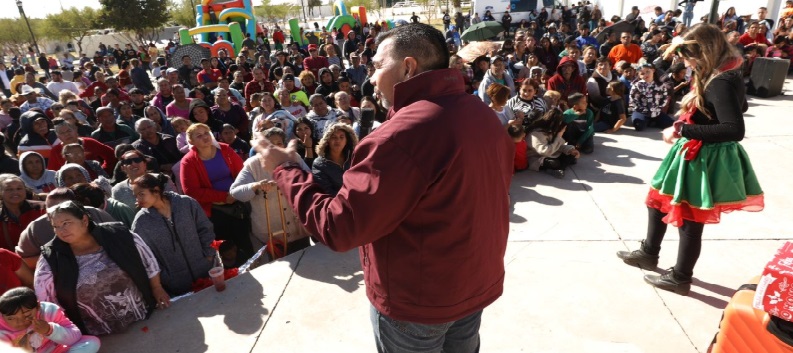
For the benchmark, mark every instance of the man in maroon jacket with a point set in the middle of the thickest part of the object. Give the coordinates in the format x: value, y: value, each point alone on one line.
x: 425, y: 200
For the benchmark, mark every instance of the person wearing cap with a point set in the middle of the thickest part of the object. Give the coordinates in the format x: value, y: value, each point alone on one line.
x: 626, y: 50
x: 281, y: 60
x: 295, y: 94
x: 208, y: 76
x: 369, y: 51
x: 356, y: 72
x: 235, y: 95
x: 113, y: 87
x: 496, y: 74
x: 584, y: 38
x: 314, y: 62
x: 137, y: 101
x: 109, y: 131
x: 58, y: 84
x: 553, y: 32
x: 33, y: 100
x: 30, y: 80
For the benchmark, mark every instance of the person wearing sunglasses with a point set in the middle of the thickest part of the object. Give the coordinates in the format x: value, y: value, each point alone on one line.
x: 626, y: 50
x: 84, y: 253
x: 133, y: 163
x: 706, y: 172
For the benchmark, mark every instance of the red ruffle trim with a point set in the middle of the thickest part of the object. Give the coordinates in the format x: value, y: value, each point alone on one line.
x: 675, y: 214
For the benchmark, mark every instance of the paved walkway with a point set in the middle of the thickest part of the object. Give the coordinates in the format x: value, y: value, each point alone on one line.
x: 565, y: 290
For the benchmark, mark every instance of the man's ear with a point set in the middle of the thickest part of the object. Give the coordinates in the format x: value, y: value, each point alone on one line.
x: 411, y: 67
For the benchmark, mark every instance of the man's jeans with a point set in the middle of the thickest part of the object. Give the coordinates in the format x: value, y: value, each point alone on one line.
x: 687, y: 18
x: 393, y: 336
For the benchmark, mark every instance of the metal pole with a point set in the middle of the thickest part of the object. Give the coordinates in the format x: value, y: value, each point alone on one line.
x: 713, y: 17
x: 22, y: 13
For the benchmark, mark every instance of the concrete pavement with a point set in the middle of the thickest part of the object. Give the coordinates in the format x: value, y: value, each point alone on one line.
x: 565, y: 290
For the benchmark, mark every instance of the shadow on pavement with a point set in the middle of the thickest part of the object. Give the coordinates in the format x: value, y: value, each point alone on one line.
x: 715, y: 288
x: 712, y: 301
x: 317, y: 261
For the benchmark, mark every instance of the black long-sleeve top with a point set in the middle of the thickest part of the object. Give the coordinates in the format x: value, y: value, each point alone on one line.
x: 725, y: 100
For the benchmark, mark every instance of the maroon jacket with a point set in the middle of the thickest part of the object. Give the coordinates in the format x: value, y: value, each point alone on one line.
x: 577, y: 84
x: 426, y: 200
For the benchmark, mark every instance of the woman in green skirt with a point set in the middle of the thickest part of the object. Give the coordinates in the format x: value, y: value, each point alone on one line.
x: 706, y: 172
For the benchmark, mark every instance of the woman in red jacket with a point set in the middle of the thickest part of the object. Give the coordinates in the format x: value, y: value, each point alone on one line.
x: 207, y: 172
x: 15, y: 211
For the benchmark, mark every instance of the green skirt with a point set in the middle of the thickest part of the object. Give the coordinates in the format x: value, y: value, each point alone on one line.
x: 718, y: 179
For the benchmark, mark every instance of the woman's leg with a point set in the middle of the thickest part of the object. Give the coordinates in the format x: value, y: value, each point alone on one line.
x: 689, y: 249
x: 646, y: 256
x: 656, y: 229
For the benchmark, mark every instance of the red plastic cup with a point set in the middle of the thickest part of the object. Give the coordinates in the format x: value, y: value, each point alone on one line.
x: 216, y: 273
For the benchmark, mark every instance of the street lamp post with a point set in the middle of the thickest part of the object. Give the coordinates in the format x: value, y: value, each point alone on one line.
x: 22, y: 13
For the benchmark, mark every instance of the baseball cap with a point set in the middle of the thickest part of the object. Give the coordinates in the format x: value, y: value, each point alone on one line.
x: 496, y: 58
x: 170, y: 69
x: 288, y: 77
x: 369, y: 41
x: 312, y: 47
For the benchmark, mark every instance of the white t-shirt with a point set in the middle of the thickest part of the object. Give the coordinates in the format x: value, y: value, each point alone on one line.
x: 57, y: 87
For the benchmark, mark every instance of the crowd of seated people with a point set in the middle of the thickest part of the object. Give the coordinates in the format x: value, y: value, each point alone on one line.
x: 626, y: 79
x: 118, y: 195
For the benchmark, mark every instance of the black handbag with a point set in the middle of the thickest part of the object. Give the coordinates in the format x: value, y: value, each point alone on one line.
x: 237, y: 210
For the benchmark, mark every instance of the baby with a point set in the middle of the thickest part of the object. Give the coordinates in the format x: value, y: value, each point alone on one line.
x: 40, y: 326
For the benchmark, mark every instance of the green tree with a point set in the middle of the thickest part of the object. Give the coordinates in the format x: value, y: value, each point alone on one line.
x: 276, y: 13
x: 312, y: 4
x: 182, y: 13
x: 141, y: 17
x: 429, y: 7
x: 72, y: 24
x: 15, y: 36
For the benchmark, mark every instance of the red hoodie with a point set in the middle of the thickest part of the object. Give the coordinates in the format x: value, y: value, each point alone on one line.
x: 426, y: 200
x: 576, y: 84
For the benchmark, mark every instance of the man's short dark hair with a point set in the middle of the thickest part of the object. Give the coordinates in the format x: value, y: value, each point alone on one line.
x: 676, y: 68
x: 575, y: 98
x: 420, y: 41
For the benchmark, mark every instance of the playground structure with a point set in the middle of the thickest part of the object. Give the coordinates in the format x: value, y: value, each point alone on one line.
x: 342, y: 20
x: 231, y: 19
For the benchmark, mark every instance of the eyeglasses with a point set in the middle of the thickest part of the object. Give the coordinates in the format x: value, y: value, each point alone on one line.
x: 129, y: 161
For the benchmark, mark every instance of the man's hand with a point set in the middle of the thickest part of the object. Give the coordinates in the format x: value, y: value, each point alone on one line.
x: 273, y: 156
